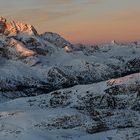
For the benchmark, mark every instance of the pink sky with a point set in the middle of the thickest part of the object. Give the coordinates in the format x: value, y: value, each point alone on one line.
x: 84, y: 21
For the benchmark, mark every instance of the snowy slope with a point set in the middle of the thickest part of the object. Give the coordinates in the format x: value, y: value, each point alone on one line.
x: 35, y: 59
x: 99, y: 111
x: 53, y: 89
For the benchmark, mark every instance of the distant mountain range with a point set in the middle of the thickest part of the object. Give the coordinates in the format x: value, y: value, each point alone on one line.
x: 32, y: 64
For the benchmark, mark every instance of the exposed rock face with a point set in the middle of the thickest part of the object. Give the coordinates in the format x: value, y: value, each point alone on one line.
x: 15, y: 27
x: 19, y: 27
x: 2, y: 19
x: 56, y: 39
x: 67, y: 49
x: 114, y: 42
x: 21, y: 48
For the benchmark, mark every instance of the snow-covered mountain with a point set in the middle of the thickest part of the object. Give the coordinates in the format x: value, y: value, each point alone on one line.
x: 49, y: 61
x: 32, y: 64
x: 99, y: 111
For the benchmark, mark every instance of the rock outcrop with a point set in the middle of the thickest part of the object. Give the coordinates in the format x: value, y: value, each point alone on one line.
x: 15, y: 27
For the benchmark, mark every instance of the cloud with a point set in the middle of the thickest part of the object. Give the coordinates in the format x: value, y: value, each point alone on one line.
x: 49, y: 9
x: 42, y: 14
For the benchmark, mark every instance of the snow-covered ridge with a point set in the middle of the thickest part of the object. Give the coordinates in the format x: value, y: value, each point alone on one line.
x: 76, y: 87
x: 101, y: 109
x: 50, y: 61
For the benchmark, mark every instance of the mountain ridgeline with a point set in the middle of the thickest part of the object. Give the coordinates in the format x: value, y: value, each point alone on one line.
x: 85, y: 92
x: 33, y: 63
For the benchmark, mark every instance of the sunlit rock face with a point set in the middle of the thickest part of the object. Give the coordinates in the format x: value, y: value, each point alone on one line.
x: 21, y: 48
x: 15, y: 27
x: 67, y: 49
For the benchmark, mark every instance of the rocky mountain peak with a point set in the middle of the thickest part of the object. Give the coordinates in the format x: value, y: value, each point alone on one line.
x: 114, y: 42
x: 15, y: 27
x: 56, y: 39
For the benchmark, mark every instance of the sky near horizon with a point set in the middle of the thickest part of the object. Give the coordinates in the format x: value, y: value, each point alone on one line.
x: 84, y: 21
